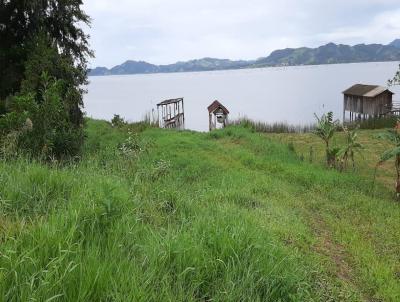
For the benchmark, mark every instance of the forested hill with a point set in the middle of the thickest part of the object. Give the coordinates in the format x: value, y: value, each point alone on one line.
x: 139, y: 67
x: 327, y: 54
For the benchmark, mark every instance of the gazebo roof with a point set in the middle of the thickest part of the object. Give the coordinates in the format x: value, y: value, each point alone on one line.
x: 217, y: 105
x: 171, y: 101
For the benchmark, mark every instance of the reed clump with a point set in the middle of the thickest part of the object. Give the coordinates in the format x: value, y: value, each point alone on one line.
x: 275, y: 127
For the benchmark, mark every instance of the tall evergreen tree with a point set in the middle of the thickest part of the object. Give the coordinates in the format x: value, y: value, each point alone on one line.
x: 44, y: 36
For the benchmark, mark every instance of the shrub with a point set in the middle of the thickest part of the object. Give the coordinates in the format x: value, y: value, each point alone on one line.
x: 350, y: 148
x: 132, y: 146
x: 393, y: 136
x: 40, y: 124
x: 325, y: 129
x: 118, y: 121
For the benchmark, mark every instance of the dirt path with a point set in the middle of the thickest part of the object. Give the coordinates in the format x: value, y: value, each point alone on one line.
x: 337, y: 254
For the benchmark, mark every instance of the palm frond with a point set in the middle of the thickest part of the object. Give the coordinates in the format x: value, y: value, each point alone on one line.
x: 390, y: 135
x: 390, y: 154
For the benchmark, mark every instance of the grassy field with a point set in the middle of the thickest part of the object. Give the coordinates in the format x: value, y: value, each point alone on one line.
x: 366, y: 160
x: 182, y: 216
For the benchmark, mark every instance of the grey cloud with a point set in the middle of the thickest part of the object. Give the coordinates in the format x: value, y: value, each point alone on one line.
x: 162, y: 31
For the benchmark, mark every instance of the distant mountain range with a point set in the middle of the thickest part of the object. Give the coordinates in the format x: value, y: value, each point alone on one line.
x: 327, y: 54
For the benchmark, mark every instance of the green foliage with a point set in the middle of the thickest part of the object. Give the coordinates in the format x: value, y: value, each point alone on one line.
x: 325, y: 129
x: 392, y: 136
x: 375, y: 123
x: 133, y: 146
x: 118, y: 121
x: 396, y: 79
x: 40, y: 124
x: 350, y: 148
x: 332, y: 155
x: 43, y: 37
x: 44, y: 58
x: 28, y: 25
x: 291, y: 147
x: 337, y: 156
x: 235, y: 217
x: 264, y: 127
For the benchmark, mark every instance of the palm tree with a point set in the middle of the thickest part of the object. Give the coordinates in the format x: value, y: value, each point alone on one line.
x: 351, y: 147
x: 393, y: 136
x: 325, y: 129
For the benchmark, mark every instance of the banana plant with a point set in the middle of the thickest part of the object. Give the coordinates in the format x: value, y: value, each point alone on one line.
x: 393, y: 136
x: 351, y: 147
x: 325, y: 129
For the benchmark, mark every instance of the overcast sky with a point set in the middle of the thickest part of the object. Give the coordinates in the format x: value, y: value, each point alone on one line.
x: 166, y: 31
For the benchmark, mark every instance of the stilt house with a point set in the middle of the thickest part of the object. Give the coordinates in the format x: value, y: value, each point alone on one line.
x: 366, y: 101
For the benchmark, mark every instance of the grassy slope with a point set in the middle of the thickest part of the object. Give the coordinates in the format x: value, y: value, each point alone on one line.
x: 228, y: 216
x: 366, y: 160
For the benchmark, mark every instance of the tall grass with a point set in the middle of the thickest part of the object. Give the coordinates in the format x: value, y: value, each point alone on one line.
x: 284, y: 127
x: 375, y: 123
x: 151, y: 118
x: 96, y: 231
x: 226, y: 216
x: 276, y: 127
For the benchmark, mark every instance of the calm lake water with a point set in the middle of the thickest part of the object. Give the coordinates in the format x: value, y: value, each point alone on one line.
x: 291, y: 94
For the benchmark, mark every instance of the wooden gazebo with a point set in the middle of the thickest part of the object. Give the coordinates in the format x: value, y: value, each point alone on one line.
x: 365, y: 101
x: 171, y: 114
x: 217, y: 114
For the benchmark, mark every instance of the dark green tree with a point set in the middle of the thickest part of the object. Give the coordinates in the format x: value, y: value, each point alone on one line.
x: 44, y: 37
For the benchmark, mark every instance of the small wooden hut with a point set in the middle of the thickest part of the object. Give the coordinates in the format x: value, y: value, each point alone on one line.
x: 366, y: 101
x: 172, y: 114
x: 218, y: 115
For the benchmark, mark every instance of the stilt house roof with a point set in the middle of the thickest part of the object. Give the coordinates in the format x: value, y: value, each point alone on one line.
x: 369, y: 91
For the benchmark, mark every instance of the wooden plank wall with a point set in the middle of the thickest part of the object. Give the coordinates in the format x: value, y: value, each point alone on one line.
x: 371, y: 106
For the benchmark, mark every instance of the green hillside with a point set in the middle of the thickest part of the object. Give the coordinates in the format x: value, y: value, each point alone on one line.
x: 183, y: 216
x: 326, y: 54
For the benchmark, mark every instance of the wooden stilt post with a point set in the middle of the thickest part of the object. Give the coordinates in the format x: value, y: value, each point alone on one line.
x: 344, y: 111
x: 183, y: 112
x: 158, y: 116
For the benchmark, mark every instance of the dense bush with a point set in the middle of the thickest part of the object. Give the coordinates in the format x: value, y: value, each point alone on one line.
x: 118, y: 121
x: 42, y: 37
x: 38, y: 124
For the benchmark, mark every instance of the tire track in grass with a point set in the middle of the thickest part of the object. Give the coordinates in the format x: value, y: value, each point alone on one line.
x: 325, y: 247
